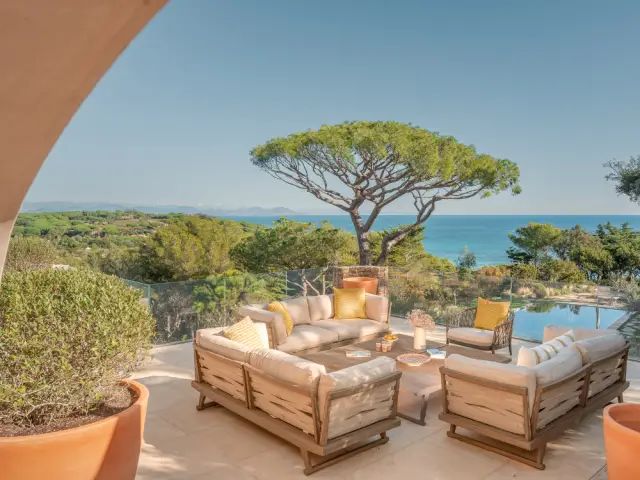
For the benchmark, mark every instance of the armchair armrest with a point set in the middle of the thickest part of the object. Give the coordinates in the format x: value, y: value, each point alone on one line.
x: 465, y: 318
x: 503, y: 332
x: 274, y: 321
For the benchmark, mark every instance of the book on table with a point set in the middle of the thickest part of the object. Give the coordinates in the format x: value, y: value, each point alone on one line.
x: 435, y: 353
x: 358, y: 354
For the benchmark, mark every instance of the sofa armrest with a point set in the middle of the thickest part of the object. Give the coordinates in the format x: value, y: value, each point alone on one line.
x: 357, y: 396
x: 492, y: 393
x: 274, y: 321
x: 377, y: 307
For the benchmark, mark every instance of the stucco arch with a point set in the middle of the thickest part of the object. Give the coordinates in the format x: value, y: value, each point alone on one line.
x: 52, y: 54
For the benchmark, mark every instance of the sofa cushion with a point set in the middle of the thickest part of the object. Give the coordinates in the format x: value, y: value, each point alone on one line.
x: 565, y: 363
x: 597, y: 348
x: 244, y: 332
x: 307, y: 336
x: 320, y: 307
x: 553, y: 331
x: 377, y: 307
x: 286, y: 367
x: 349, y: 303
x: 298, y: 308
x: 259, y: 313
x: 530, y: 357
x: 277, y: 307
x: 472, y: 336
x: 349, y: 328
x: 498, y: 372
x: 353, y: 412
x: 212, y: 339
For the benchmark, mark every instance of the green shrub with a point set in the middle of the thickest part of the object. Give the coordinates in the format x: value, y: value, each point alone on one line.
x: 28, y: 253
x: 539, y: 290
x: 525, y: 271
x: 66, y: 337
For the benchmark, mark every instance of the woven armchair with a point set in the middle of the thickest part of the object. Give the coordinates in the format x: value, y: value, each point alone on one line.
x: 476, y: 338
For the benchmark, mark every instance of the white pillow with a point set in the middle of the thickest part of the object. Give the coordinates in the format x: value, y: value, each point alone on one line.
x: 530, y: 357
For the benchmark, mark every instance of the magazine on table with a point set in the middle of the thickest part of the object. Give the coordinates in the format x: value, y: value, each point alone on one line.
x: 435, y: 353
x: 358, y: 354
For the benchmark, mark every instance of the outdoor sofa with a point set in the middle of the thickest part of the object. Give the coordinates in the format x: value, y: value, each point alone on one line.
x: 514, y: 410
x: 327, y: 416
x: 314, y: 326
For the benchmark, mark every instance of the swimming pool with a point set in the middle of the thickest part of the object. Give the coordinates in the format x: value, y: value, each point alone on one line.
x: 530, y: 321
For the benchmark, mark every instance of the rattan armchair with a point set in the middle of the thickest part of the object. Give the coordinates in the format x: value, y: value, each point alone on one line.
x: 476, y: 338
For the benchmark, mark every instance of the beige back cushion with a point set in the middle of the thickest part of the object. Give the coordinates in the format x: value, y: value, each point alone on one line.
x: 213, y: 340
x: 377, y: 308
x: 298, y: 308
x: 353, y: 412
x: 566, y: 363
x: 553, y: 331
x: 288, y: 368
x: 320, y: 307
x: 597, y: 348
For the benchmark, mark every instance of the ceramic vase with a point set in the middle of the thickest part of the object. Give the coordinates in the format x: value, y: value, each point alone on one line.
x: 419, y: 338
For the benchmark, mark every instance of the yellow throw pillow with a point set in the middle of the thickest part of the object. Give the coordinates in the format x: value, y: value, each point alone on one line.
x: 490, y: 314
x: 349, y: 303
x: 277, y: 307
x: 244, y: 332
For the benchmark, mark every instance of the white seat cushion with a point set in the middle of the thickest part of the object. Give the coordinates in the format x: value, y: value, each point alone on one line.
x: 471, y: 336
x: 553, y: 331
x: 298, y: 308
x: 349, y: 328
x: 212, y: 339
x: 320, y: 307
x: 565, y: 363
x: 286, y: 367
x: 307, y: 336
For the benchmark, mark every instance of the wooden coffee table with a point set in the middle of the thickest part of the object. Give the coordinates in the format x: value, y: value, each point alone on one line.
x: 417, y: 384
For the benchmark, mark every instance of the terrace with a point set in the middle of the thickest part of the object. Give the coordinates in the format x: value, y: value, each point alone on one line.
x: 181, y: 442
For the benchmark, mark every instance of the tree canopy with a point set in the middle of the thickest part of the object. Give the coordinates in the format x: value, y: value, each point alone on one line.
x: 377, y: 163
x: 534, y: 242
x: 626, y: 175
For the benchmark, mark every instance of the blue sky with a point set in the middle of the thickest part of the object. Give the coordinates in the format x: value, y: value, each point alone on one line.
x: 551, y: 85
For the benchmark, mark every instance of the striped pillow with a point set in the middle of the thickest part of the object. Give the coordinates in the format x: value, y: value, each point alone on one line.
x: 244, y: 332
x: 530, y: 357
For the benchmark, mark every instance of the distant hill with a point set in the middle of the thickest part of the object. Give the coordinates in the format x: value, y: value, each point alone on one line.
x: 40, y: 207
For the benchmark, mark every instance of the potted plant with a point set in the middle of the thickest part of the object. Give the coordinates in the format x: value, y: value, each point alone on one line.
x: 68, y: 341
x: 369, y: 284
x: 421, y: 321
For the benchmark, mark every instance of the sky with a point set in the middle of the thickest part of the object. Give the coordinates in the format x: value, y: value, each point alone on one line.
x: 551, y: 85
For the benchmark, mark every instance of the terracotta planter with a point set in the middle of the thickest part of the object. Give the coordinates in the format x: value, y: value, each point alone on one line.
x: 106, y: 449
x: 622, y: 440
x: 369, y: 284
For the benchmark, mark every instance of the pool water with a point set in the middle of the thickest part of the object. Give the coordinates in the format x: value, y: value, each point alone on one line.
x: 530, y: 321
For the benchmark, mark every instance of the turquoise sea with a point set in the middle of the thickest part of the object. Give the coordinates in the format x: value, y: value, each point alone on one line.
x: 484, y: 235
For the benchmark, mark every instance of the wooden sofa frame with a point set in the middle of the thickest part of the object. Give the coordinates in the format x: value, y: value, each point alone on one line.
x: 289, y: 411
x: 556, y: 407
x: 502, y: 334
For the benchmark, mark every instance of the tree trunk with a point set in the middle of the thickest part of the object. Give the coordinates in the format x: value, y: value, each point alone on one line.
x: 364, y: 246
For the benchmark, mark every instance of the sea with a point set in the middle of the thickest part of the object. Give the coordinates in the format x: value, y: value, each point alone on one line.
x: 447, y: 235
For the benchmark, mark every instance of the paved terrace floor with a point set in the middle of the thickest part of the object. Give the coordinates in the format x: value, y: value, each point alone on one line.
x: 181, y: 443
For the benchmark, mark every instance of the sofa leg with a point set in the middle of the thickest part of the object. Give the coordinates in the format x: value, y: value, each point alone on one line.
x: 510, y: 352
x: 202, y: 404
x: 620, y: 398
x: 310, y: 467
x: 533, y: 459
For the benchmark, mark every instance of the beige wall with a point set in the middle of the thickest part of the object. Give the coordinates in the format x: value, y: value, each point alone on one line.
x: 52, y: 54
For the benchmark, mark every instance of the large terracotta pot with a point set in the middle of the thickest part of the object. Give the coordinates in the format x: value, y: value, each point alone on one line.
x: 106, y: 450
x: 622, y: 440
x: 369, y: 284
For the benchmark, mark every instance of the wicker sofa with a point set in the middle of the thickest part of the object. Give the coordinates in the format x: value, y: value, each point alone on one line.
x: 328, y: 415
x: 314, y: 326
x: 515, y: 410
